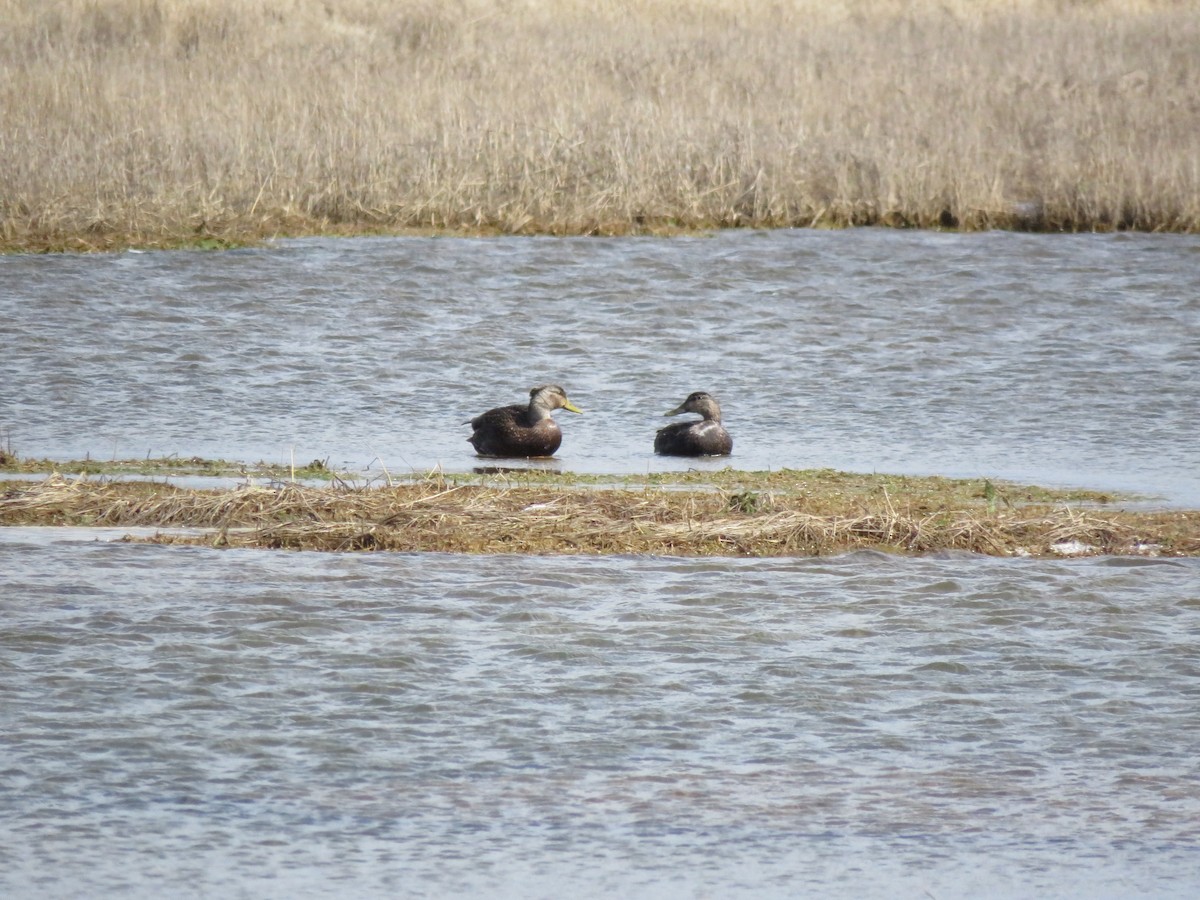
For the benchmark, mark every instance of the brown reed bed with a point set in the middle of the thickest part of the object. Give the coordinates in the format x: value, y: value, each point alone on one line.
x: 436, y: 514
x: 211, y: 122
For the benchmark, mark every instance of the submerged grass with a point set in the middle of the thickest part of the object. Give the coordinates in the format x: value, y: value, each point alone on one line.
x: 812, y: 515
x: 838, y: 487
x: 164, y: 466
x: 211, y: 123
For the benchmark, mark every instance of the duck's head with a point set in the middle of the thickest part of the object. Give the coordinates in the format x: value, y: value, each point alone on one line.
x: 700, y: 402
x: 549, y: 397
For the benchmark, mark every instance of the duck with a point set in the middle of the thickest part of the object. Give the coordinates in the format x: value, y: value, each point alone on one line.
x: 522, y: 430
x: 706, y: 437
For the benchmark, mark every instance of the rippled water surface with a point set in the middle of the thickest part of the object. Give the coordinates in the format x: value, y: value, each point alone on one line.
x: 1060, y: 359
x: 193, y: 722
x: 199, y: 723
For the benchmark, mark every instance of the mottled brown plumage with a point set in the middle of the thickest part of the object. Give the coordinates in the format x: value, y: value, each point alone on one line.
x: 522, y: 430
x: 706, y: 437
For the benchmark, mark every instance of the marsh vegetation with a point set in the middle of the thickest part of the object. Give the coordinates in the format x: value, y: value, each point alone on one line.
x: 211, y: 122
x: 729, y: 513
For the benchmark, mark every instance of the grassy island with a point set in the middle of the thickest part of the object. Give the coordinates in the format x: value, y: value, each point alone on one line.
x: 724, y: 513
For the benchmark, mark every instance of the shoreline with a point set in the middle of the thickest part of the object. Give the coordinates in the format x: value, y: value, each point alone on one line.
x: 234, y: 238
x: 220, y: 123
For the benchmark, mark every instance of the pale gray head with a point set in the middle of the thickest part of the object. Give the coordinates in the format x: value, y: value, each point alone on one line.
x: 548, y: 397
x: 700, y: 402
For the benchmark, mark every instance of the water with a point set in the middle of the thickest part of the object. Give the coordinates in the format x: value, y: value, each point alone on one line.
x: 192, y: 722
x: 180, y: 721
x: 1059, y: 359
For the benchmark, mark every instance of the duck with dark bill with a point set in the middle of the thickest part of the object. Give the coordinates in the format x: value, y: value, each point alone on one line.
x: 706, y: 437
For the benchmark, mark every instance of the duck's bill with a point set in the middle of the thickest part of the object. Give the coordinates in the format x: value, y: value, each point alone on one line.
x: 571, y: 407
x: 676, y: 411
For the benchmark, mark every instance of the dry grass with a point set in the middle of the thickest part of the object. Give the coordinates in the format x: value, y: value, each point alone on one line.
x: 436, y: 515
x: 159, y: 121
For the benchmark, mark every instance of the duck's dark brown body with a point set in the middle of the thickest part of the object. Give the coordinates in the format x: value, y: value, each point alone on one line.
x: 508, y: 431
x: 707, y: 437
x: 522, y: 430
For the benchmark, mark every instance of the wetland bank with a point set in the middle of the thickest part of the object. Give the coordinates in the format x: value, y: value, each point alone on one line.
x: 219, y: 123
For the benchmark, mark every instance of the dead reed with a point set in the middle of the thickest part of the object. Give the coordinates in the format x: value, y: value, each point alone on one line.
x: 167, y: 121
x: 435, y: 515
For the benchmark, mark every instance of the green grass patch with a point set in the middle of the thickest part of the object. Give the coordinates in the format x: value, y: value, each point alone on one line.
x: 168, y: 466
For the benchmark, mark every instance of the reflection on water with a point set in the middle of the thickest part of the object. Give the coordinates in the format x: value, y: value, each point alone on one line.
x: 1055, y: 358
x: 216, y: 723
x: 524, y: 465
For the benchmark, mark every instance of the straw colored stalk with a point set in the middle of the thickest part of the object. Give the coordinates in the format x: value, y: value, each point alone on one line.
x: 155, y: 121
x: 540, y: 520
